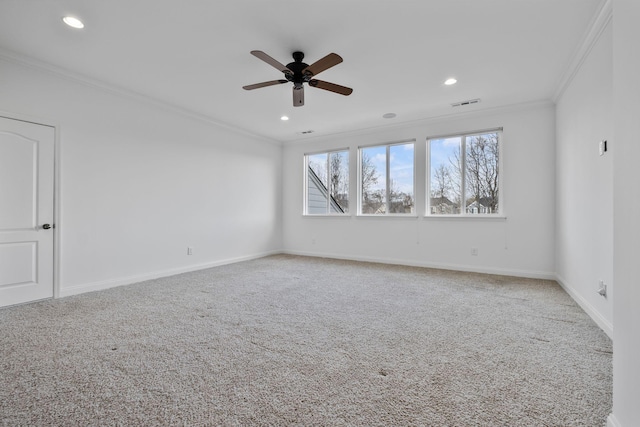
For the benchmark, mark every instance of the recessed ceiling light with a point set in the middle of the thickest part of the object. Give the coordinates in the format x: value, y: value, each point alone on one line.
x: 73, y: 22
x: 284, y: 118
x: 389, y: 115
x: 450, y: 81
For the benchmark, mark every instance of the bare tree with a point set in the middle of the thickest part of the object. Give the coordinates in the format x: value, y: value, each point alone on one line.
x: 395, y: 198
x: 474, y: 159
x: 482, y: 170
x: 369, y: 173
x: 456, y: 172
x: 339, y: 179
x: 399, y: 201
x: 371, y: 199
x: 441, y: 184
x: 491, y: 172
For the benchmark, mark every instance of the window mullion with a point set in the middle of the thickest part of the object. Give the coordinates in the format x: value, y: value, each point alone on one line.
x: 463, y: 175
x: 328, y: 183
x: 360, y: 193
x: 388, y: 189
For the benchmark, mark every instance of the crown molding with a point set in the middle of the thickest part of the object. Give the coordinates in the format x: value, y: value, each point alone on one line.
x: 597, y: 25
x: 42, y: 66
x: 500, y: 109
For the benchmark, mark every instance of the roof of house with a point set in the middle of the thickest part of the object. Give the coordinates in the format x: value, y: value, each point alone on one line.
x: 324, y: 191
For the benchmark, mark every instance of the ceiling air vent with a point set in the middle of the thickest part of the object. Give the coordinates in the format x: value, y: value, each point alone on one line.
x: 462, y: 103
x: 306, y: 132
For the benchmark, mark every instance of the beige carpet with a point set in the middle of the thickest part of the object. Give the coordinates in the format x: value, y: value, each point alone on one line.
x: 295, y: 341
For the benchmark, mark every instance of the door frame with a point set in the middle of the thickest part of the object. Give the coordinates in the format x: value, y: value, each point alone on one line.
x: 57, y: 216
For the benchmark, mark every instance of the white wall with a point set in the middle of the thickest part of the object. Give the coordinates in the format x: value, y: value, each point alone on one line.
x: 584, y: 188
x: 626, y: 178
x: 522, y: 244
x: 139, y: 183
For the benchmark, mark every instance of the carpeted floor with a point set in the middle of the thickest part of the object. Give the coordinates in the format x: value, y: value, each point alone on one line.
x: 298, y: 341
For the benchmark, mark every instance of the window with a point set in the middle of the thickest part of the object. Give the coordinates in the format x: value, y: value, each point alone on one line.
x: 386, y: 179
x: 464, y: 174
x: 327, y: 183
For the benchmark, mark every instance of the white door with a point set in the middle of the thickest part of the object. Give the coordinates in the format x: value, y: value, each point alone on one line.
x: 26, y: 211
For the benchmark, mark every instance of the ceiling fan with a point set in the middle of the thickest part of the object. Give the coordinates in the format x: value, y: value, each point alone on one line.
x: 298, y: 73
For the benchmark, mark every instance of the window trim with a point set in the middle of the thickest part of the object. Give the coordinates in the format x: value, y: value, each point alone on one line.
x: 463, y: 214
x: 387, y: 146
x: 305, y: 172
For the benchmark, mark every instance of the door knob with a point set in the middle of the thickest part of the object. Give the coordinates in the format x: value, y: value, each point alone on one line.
x: 46, y: 226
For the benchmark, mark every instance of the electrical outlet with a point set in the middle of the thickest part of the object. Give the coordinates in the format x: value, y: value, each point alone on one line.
x: 602, y: 291
x: 189, y: 250
x: 474, y: 251
x: 602, y: 147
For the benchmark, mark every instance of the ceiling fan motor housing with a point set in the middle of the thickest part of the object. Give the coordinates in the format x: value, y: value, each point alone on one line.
x: 298, y: 77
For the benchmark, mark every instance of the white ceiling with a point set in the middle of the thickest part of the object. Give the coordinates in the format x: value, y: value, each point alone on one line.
x: 194, y: 54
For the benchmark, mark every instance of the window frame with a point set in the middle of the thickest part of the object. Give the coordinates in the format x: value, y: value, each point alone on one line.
x: 387, y: 146
x: 305, y: 200
x: 463, y: 211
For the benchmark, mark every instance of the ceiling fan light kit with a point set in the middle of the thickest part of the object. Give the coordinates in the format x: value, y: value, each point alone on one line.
x: 299, y: 73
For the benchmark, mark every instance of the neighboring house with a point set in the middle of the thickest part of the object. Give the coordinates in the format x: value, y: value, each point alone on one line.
x: 318, y: 195
x: 482, y: 206
x: 442, y: 206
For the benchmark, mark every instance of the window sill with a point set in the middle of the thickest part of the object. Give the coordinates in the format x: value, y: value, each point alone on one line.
x: 413, y: 217
x: 465, y: 217
x: 342, y: 216
x: 394, y: 216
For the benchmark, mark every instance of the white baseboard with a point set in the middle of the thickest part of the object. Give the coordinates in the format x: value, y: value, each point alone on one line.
x: 604, y: 324
x: 111, y: 283
x: 456, y: 267
x: 612, y: 421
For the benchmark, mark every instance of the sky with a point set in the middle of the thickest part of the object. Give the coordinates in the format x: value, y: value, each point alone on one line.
x: 401, y: 165
x: 442, y: 150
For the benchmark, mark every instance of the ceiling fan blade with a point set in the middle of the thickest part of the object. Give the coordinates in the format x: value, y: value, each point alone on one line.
x: 264, y: 84
x: 322, y: 64
x: 298, y: 96
x: 332, y: 87
x: 269, y: 60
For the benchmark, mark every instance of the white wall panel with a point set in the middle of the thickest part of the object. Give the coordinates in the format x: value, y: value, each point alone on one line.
x: 139, y: 183
x: 584, y: 199
x: 626, y: 176
x: 521, y: 244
